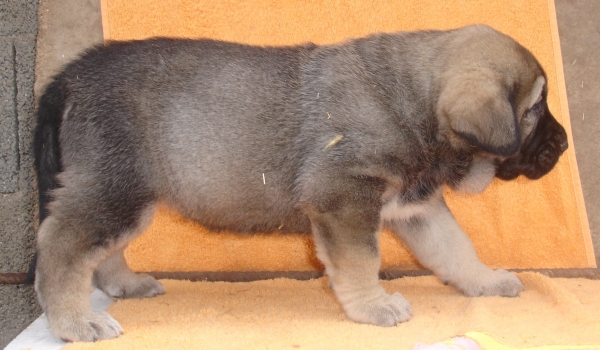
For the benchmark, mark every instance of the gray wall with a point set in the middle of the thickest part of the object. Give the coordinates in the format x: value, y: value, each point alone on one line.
x: 18, y: 31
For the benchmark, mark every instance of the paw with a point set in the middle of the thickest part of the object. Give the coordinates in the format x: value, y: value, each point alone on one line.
x: 491, y: 283
x: 88, y: 327
x: 137, y: 286
x: 384, y: 310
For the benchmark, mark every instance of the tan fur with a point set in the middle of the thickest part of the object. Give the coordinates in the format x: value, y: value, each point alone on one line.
x: 439, y: 244
x: 353, y: 275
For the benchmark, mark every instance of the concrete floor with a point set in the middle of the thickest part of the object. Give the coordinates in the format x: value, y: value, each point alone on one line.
x: 66, y: 27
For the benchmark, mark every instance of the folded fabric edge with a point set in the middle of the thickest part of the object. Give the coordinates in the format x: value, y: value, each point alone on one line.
x: 487, y: 342
x: 481, y: 341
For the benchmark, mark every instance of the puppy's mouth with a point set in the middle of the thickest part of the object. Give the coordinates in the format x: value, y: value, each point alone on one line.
x: 539, y: 153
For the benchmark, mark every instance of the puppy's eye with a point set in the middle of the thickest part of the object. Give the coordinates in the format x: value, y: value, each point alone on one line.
x: 537, y: 108
x: 531, y: 117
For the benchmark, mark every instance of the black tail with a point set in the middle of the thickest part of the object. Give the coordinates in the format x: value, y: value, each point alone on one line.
x: 46, y: 149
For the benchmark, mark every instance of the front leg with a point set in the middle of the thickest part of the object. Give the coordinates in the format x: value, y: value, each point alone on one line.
x: 346, y: 227
x: 438, y: 242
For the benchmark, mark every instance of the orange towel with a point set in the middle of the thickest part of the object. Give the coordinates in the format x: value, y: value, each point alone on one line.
x: 519, y: 224
x: 289, y: 314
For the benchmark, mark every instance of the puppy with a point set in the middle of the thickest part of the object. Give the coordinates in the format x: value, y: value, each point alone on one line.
x: 337, y: 140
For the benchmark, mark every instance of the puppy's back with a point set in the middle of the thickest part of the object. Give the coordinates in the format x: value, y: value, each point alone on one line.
x: 208, y: 126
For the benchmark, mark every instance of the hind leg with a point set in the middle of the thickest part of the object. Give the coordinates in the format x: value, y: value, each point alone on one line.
x: 116, y: 279
x: 63, y: 277
x: 79, y: 237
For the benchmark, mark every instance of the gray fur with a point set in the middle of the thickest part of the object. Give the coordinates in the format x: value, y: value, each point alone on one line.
x: 336, y: 140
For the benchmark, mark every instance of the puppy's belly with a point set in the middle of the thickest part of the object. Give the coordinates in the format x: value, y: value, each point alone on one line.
x: 242, y: 213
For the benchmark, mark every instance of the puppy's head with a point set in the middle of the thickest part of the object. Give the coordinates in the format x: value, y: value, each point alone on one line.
x: 493, y: 97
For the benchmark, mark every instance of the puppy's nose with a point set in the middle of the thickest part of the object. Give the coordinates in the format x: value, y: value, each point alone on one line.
x: 564, y: 145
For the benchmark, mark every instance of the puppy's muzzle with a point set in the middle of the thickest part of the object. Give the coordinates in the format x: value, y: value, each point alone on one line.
x: 540, y: 151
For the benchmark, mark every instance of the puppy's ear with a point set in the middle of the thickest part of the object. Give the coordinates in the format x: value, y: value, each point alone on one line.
x: 479, y: 108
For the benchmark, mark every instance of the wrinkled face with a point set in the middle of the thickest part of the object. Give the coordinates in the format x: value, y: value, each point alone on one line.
x: 544, y: 141
x: 493, y: 97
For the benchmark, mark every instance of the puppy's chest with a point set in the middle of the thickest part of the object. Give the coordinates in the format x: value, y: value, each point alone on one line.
x: 430, y: 173
x: 413, y: 199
